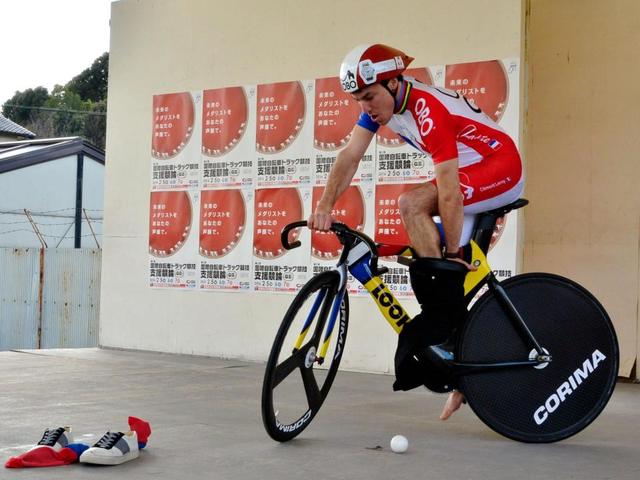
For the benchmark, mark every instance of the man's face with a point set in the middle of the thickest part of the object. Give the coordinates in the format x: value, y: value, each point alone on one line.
x: 377, y: 102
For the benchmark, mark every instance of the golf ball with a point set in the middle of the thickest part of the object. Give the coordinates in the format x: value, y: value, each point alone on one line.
x: 399, y: 444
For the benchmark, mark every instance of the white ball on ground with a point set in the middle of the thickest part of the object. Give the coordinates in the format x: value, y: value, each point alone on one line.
x: 399, y: 444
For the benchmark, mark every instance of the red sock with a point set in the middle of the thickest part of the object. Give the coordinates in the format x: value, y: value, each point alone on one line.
x: 43, y: 457
x: 142, y: 428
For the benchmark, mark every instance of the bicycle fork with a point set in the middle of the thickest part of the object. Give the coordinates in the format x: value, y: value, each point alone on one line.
x: 326, y: 301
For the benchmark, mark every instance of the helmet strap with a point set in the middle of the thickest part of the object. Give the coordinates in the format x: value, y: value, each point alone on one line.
x: 385, y: 84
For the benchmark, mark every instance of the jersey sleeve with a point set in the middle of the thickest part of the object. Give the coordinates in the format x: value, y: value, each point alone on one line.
x: 440, y: 138
x: 365, y: 122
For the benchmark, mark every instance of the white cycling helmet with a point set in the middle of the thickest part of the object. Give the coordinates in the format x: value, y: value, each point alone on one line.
x: 369, y: 64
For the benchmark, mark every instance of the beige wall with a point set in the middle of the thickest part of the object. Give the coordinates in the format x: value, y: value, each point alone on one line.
x: 582, y: 152
x: 160, y: 46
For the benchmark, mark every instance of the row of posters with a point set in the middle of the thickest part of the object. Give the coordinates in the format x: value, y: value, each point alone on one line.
x: 232, y: 166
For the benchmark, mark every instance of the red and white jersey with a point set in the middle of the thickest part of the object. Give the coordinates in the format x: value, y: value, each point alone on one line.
x: 445, y: 125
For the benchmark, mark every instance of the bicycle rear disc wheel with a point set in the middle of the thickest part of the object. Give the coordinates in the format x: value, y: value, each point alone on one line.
x: 551, y: 401
x: 295, y: 384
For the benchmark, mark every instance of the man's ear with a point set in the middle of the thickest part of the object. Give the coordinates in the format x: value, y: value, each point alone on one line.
x: 393, y: 84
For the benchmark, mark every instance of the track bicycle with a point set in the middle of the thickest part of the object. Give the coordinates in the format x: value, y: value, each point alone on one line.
x: 536, y: 357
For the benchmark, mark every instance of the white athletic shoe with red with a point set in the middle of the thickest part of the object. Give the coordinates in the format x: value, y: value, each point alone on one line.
x: 113, y: 448
x: 55, y: 438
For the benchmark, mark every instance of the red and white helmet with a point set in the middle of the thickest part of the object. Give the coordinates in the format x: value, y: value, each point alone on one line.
x: 369, y: 64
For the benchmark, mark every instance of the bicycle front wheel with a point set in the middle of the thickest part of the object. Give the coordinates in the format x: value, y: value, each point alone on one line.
x: 297, y: 380
x: 554, y: 400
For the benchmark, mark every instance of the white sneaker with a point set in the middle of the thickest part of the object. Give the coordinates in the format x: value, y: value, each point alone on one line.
x: 113, y: 448
x: 55, y: 438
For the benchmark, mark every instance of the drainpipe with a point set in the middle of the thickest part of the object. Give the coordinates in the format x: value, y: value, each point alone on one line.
x: 40, y: 300
x: 78, y: 230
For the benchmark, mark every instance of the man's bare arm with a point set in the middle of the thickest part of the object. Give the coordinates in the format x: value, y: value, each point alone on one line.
x: 450, y: 202
x: 340, y: 176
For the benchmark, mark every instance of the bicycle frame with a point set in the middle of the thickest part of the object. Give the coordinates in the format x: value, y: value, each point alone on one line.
x: 357, y: 259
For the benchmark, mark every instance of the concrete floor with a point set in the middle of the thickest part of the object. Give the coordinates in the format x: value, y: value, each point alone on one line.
x: 205, y: 416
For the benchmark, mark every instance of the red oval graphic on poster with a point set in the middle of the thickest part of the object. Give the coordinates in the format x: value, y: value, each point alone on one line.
x: 389, y: 227
x: 169, y: 222
x: 222, y: 221
x: 280, y: 115
x: 224, y: 119
x: 274, y: 209
x: 335, y: 114
x: 385, y: 135
x: 501, y: 224
x: 349, y: 209
x: 173, y: 118
x: 484, y: 83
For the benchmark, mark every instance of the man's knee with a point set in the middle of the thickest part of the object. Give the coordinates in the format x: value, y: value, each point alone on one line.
x: 419, y: 201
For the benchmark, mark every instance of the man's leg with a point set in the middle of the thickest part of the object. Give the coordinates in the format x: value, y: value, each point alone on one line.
x: 417, y: 208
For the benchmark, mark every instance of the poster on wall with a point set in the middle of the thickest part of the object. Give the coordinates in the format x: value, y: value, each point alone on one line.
x: 483, y: 83
x: 396, y: 161
x: 173, y: 238
x: 283, y: 134
x: 175, y: 163
x: 335, y: 114
x: 390, y: 230
x: 260, y: 159
x: 494, y: 87
x: 228, y: 137
x: 277, y: 269
x: 226, y: 221
x: 353, y: 208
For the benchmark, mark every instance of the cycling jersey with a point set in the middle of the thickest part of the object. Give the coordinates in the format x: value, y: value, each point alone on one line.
x: 445, y: 125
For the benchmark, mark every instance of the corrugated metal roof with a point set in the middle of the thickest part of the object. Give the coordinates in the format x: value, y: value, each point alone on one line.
x: 15, y: 155
x: 6, y: 153
x: 7, y: 126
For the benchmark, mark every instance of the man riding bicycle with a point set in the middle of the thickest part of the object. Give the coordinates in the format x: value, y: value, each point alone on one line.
x: 477, y: 165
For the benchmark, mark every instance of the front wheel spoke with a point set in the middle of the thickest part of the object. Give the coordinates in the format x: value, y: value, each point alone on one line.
x: 289, y: 365
x: 311, y: 388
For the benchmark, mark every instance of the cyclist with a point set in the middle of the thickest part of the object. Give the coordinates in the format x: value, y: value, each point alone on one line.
x: 477, y: 165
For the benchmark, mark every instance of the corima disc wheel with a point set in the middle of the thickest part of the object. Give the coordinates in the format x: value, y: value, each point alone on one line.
x: 540, y: 404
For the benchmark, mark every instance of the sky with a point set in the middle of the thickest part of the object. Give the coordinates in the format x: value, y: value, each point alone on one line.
x: 48, y: 42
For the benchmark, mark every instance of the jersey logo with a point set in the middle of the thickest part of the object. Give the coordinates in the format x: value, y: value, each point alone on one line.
x: 470, y: 132
x: 495, y: 144
x: 425, y: 122
x: 467, y: 190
